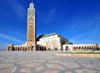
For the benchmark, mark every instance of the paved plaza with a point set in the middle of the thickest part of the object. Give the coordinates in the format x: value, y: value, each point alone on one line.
x: 45, y: 62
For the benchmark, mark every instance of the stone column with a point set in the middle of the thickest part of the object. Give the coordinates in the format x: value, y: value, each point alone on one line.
x: 35, y: 47
x: 30, y: 47
x: 39, y: 48
x: 22, y: 48
x: 7, y: 47
x: 11, y: 47
x: 71, y: 49
x: 64, y: 47
x: 17, y: 48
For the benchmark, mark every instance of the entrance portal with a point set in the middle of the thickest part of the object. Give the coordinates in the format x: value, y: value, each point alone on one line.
x: 56, y: 48
x: 32, y: 48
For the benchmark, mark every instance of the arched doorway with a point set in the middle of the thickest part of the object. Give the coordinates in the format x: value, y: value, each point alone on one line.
x: 23, y: 48
x: 32, y: 48
x: 79, y: 47
x: 56, y: 48
x: 18, y: 48
x: 66, y: 48
x: 48, y: 45
x: 8, y: 48
x: 90, y: 47
x: 74, y: 48
x: 82, y: 47
x: 36, y: 48
x: 49, y: 49
x: 13, y: 48
x: 55, y: 44
x: 28, y: 48
x: 41, y: 48
x: 94, y: 48
x: 44, y: 48
x: 87, y: 47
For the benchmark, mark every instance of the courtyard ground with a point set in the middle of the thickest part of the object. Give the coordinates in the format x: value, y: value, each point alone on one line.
x: 45, y: 62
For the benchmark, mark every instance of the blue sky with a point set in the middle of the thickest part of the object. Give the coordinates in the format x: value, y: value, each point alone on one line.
x: 76, y: 20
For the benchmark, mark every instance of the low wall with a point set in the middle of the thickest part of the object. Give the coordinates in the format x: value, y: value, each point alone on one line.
x: 81, y: 55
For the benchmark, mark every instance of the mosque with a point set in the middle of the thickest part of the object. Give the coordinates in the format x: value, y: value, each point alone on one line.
x: 47, y: 42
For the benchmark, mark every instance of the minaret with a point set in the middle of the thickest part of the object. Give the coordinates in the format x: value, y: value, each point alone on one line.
x: 31, y: 27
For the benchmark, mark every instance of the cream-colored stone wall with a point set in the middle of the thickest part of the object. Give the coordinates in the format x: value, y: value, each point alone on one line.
x: 71, y: 47
x: 50, y: 42
x: 99, y: 46
x: 20, y: 48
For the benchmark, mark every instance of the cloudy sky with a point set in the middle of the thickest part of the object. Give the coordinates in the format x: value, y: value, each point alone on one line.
x: 76, y: 20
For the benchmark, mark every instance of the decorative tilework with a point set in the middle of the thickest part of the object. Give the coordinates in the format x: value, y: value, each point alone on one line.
x: 31, y: 17
x: 31, y: 11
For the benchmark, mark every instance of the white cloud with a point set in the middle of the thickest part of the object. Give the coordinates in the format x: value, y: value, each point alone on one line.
x: 19, y: 9
x: 76, y: 38
x: 95, y: 32
x: 10, y: 38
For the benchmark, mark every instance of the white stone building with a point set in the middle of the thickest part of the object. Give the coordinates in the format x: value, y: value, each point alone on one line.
x: 52, y: 41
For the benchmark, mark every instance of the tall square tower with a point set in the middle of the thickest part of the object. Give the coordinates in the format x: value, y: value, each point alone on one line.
x: 31, y: 26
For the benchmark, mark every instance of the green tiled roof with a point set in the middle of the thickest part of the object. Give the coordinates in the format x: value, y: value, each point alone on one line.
x: 37, y: 38
x: 68, y: 42
x: 47, y: 35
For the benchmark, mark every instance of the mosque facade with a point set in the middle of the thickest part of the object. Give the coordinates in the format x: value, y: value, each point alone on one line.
x: 47, y: 42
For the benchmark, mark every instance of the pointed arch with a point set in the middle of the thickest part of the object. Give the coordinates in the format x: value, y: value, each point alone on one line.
x: 55, y: 45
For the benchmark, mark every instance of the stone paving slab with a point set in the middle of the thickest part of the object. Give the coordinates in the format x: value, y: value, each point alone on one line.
x: 71, y: 65
x: 39, y: 68
x: 5, y: 65
x: 54, y: 66
x: 25, y: 70
x: 32, y: 64
x: 51, y: 71
x: 8, y: 70
x: 46, y: 62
